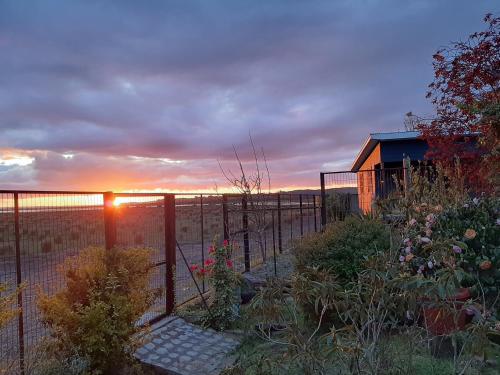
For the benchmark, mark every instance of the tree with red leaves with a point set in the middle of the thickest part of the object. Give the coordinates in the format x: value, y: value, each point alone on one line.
x: 466, y: 93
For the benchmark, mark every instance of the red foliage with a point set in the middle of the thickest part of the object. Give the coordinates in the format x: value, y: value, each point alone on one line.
x: 466, y: 94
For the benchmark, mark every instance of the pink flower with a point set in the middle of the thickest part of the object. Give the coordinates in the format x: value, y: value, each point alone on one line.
x: 225, y: 243
x: 229, y: 263
x: 211, y: 249
x: 412, y: 222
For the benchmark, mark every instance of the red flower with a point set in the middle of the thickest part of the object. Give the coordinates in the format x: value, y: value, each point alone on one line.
x: 209, y: 262
x: 193, y: 267
x: 229, y: 263
x: 225, y: 243
x: 211, y: 249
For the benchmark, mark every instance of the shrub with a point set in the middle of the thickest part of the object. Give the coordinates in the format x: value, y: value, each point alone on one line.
x: 6, y: 301
x: 94, y: 316
x: 8, y: 311
x: 223, y: 279
x: 343, y: 247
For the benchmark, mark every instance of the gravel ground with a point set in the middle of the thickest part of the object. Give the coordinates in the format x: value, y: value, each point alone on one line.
x: 284, y: 267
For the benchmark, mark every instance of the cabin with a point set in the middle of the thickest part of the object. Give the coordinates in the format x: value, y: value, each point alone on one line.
x: 380, y: 162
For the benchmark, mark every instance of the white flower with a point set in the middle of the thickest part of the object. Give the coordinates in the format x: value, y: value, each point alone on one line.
x: 401, y: 258
x: 425, y: 240
x: 466, y: 205
x: 430, y: 264
x: 498, y: 221
x: 408, y: 249
x: 407, y: 240
x: 475, y: 201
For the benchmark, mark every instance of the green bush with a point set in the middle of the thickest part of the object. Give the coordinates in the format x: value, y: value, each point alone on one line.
x: 94, y: 317
x: 481, y: 218
x: 343, y: 247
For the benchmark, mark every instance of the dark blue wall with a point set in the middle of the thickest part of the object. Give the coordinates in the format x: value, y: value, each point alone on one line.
x: 392, y: 151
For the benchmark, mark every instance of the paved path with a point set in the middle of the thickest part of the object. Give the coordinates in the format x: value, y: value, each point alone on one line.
x: 174, y: 346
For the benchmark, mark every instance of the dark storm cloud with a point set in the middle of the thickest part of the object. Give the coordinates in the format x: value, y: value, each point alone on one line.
x: 186, y: 80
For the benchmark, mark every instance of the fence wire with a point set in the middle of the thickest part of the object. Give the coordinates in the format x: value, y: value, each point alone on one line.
x: 344, y: 193
x: 40, y: 230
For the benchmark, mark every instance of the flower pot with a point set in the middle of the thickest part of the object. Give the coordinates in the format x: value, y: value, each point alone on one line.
x: 440, y: 321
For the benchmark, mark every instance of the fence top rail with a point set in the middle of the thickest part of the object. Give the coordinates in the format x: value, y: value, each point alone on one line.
x: 146, y: 194
x: 6, y: 191
x: 367, y: 170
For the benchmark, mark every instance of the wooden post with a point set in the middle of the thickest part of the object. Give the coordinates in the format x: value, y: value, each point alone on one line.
x: 19, y: 280
x: 406, y: 174
x: 109, y: 220
x: 170, y: 252
x: 246, y: 240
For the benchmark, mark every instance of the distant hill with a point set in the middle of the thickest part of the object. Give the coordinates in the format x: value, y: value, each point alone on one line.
x: 340, y: 190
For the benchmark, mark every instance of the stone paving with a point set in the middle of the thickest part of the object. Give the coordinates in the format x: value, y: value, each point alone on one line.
x: 176, y: 347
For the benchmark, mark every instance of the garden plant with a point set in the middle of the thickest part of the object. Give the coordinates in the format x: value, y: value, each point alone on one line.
x: 92, y: 320
x: 224, y: 282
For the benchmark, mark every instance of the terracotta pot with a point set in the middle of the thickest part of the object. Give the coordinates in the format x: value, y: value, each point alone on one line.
x: 440, y: 321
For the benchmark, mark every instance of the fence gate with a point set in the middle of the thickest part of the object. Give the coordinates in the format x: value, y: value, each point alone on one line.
x: 345, y: 192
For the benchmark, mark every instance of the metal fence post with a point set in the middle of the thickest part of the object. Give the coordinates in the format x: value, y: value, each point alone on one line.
x: 291, y: 208
x: 19, y: 280
x: 280, y: 234
x: 323, y: 199
x: 202, y: 239
x: 109, y: 220
x: 301, y: 217
x: 315, y: 214
x: 170, y: 246
x: 246, y: 241
x: 225, y: 217
x: 274, y: 244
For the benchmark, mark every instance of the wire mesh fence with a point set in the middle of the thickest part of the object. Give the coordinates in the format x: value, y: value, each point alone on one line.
x: 40, y: 230
x: 345, y: 192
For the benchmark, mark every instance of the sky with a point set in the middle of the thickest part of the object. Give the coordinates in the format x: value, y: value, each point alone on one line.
x: 153, y: 95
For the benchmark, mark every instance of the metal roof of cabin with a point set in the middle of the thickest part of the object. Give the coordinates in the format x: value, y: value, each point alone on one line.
x: 376, y: 138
